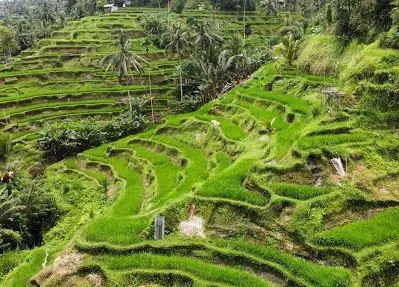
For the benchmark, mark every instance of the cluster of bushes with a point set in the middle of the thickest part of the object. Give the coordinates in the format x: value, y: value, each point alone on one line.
x: 68, y: 138
x: 390, y: 39
x: 27, y: 211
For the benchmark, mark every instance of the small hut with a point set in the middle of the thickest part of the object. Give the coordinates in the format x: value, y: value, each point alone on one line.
x: 110, y: 8
x: 333, y: 97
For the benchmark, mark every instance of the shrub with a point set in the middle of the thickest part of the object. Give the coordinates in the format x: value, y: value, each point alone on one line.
x: 390, y: 39
x: 75, y: 35
x: 58, y: 63
x: 28, y: 211
x: 178, y: 6
x: 320, y: 54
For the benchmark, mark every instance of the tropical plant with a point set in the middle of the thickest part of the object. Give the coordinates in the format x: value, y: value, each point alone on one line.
x: 27, y: 211
x: 40, y: 212
x: 269, y: 7
x: 25, y: 34
x: 63, y: 139
x: 222, y: 69
x: 7, y: 42
x: 46, y: 12
x: 288, y: 48
x: 179, y: 42
x: 207, y: 38
x: 10, y: 215
x: 123, y: 62
x: 156, y: 24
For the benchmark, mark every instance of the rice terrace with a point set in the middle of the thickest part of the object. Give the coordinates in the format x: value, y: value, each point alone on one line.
x: 150, y: 143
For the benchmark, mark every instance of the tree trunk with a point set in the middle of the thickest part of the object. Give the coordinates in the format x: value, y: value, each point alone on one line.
x: 181, y: 81
x: 245, y: 4
x: 152, y: 107
x: 130, y: 103
x: 152, y: 112
x: 181, y: 86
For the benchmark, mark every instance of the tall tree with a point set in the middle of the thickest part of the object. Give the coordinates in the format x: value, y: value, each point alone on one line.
x: 206, y: 39
x: 179, y: 42
x: 7, y: 42
x: 25, y: 35
x: 123, y: 62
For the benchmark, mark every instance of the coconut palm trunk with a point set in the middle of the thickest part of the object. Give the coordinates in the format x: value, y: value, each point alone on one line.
x: 152, y: 107
x: 180, y: 44
x: 181, y: 82
x: 123, y: 61
x: 245, y: 5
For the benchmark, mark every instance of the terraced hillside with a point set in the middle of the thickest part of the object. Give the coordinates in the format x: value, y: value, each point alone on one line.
x: 254, y: 201
x: 62, y: 77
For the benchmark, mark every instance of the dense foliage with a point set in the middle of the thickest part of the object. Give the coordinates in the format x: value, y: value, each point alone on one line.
x: 211, y: 64
x: 27, y: 211
x: 68, y: 138
x: 254, y: 165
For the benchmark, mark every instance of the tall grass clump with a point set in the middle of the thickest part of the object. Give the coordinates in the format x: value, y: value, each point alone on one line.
x: 320, y: 54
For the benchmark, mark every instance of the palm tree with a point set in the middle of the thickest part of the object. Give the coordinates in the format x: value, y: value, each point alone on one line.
x: 288, y: 48
x: 180, y: 44
x: 218, y: 76
x: 123, y: 62
x: 269, y: 7
x: 235, y: 45
x: 206, y: 38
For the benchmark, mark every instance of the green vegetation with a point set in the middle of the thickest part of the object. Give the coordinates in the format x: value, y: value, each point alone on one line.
x: 364, y: 233
x: 264, y: 133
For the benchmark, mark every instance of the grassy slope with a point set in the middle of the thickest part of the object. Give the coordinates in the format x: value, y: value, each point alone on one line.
x: 266, y: 223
